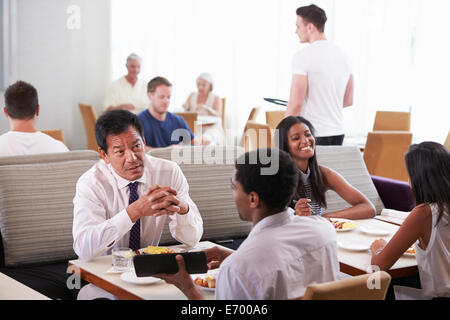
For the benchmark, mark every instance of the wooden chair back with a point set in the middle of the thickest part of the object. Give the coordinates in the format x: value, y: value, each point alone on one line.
x: 253, y: 114
x: 89, y: 119
x: 447, y: 141
x: 190, y: 118
x: 251, y: 117
x: 55, y: 134
x: 257, y: 135
x: 223, y: 112
x: 392, y: 121
x: 384, y: 153
x: 371, y: 286
x: 273, y: 118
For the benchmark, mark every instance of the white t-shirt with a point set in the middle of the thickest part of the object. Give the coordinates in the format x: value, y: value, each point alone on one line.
x: 15, y: 143
x: 328, y: 71
x: 122, y: 92
x: 281, y: 256
x: 434, y: 262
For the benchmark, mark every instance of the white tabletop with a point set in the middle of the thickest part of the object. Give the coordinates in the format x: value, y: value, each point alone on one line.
x: 11, y: 289
x: 208, y: 120
x: 156, y: 291
x: 361, y: 260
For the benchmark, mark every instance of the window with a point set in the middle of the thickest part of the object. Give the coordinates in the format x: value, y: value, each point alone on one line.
x: 397, y: 48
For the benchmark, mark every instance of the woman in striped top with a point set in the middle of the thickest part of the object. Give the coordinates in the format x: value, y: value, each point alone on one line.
x: 296, y: 136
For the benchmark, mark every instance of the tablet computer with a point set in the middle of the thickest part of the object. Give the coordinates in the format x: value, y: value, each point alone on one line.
x: 148, y: 264
x: 277, y: 101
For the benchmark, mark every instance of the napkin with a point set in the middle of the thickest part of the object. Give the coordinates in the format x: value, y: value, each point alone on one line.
x: 391, y: 213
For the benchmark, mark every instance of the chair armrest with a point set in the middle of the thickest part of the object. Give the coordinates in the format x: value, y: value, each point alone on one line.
x: 395, y: 194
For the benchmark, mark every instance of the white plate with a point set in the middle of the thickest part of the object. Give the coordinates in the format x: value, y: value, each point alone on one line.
x: 343, y: 220
x: 130, y: 276
x: 353, y: 246
x: 374, y: 231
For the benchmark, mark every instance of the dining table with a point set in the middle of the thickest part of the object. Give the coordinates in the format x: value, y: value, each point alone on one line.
x: 98, y: 272
x: 206, y: 121
x: 353, y: 255
x: 11, y: 289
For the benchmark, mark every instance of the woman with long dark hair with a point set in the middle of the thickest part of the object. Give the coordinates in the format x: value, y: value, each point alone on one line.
x: 296, y: 136
x: 428, y: 224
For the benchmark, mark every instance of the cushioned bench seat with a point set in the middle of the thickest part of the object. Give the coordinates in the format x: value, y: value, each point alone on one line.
x: 36, y: 215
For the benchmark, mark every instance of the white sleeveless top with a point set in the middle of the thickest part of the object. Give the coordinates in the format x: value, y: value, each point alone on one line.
x: 209, y: 103
x: 434, y: 262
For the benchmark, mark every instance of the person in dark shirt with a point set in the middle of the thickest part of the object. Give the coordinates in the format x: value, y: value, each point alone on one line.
x: 163, y: 128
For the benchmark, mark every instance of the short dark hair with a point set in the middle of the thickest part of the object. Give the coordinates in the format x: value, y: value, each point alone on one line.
x: 428, y: 166
x: 115, y: 122
x: 313, y: 14
x: 275, y: 190
x: 156, y: 82
x: 21, y: 100
x: 318, y: 188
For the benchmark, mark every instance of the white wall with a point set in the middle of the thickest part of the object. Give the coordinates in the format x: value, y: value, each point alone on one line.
x: 66, y: 66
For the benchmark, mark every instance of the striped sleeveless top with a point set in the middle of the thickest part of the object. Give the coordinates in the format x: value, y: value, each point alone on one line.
x: 307, y: 193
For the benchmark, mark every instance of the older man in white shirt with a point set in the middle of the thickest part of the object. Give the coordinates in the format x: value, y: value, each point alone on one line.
x: 128, y: 92
x: 283, y: 253
x: 124, y: 199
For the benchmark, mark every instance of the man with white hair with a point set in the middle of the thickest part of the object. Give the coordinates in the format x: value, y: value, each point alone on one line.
x: 128, y: 92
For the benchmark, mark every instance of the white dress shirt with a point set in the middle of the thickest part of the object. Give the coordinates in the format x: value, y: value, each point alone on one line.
x: 102, y: 222
x: 122, y: 92
x: 281, y: 256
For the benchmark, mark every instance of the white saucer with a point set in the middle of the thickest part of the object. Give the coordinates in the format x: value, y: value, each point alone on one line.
x: 374, y: 231
x: 130, y: 277
x: 353, y: 246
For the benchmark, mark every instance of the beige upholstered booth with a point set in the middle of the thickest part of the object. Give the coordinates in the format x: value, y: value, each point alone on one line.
x: 208, y: 170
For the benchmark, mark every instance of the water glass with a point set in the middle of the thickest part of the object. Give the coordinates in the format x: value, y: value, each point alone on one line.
x: 121, y: 258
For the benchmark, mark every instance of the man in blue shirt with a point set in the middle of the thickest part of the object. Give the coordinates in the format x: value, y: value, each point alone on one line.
x: 163, y: 128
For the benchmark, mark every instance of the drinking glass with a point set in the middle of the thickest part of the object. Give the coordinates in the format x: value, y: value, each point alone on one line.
x: 121, y: 258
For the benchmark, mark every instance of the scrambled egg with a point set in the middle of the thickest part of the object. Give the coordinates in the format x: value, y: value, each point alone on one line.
x: 348, y: 225
x: 157, y: 250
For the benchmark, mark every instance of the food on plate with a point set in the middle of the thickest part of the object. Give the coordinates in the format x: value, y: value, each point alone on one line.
x: 208, y: 282
x: 339, y: 225
x: 157, y: 250
x: 411, y: 251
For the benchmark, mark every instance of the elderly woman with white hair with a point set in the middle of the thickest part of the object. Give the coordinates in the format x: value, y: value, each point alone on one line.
x: 206, y: 103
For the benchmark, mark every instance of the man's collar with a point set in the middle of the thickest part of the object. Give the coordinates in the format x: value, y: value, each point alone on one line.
x: 273, y: 220
x: 121, y: 182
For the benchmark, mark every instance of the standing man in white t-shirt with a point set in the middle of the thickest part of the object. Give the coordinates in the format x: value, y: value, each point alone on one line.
x: 22, y: 110
x: 322, y: 80
x: 128, y: 92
